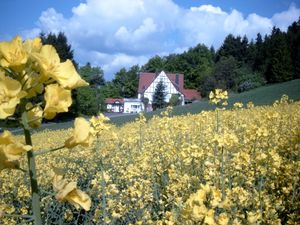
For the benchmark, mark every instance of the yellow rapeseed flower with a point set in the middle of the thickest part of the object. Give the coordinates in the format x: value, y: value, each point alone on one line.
x: 67, y: 76
x: 48, y: 61
x: 81, y: 134
x: 10, y: 151
x: 12, y: 54
x: 33, y: 45
x: 10, y: 95
x: 67, y: 191
x: 57, y: 100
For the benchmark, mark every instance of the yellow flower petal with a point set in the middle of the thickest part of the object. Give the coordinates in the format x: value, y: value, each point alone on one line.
x: 63, y: 192
x: 57, y: 100
x: 81, y: 134
x: 33, y: 45
x: 67, y: 191
x: 11, y: 151
x: 48, y: 61
x: 79, y: 198
x: 67, y: 76
x: 12, y: 53
x: 10, y: 95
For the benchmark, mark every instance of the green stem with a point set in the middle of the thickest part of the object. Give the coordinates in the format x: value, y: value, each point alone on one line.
x: 16, y: 216
x: 222, y: 175
x: 42, y: 152
x: 103, y: 185
x: 260, y: 196
x: 23, y: 85
x: 32, y: 107
x: 217, y: 128
x: 35, y: 197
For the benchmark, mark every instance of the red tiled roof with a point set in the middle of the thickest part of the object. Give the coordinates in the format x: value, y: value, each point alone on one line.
x: 172, y: 77
x: 146, y: 79
x: 191, y: 94
x: 113, y: 100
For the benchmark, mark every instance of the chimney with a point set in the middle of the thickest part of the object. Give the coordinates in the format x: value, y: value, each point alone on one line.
x: 177, y: 79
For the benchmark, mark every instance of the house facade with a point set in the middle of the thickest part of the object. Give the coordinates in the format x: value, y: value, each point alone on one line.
x: 174, y: 84
x: 124, y: 105
x: 114, y: 104
x: 133, y: 105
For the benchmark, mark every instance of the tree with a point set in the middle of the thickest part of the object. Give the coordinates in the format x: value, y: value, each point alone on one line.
x: 224, y: 72
x: 159, y: 96
x: 87, y: 100
x: 293, y: 35
x: 110, y: 90
x: 195, y: 64
x: 260, y: 55
x: 93, y: 75
x: 200, y: 62
x: 236, y: 47
x: 279, y: 67
x: 155, y: 64
x: 175, y: 100
x: 127, y: 82
x: 145, y: 102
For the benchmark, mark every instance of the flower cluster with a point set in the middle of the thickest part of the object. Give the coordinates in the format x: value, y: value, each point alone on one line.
x: 30, y: 68
x: 11, y: 151
x: 67, y: 191
x: 174, y: 170
x: 218, y: 96
x: 32, y: 72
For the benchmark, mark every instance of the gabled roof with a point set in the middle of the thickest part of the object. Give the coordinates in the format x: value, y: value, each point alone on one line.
x: 146, y: 79
x: 114, y: 100
x: 177, y: 79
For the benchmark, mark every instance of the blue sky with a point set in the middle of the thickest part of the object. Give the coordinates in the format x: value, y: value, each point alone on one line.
x: 121, y: 33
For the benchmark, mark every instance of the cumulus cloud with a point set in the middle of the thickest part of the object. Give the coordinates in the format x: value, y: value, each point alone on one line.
x: 114, y: 34
x: 285, y: 18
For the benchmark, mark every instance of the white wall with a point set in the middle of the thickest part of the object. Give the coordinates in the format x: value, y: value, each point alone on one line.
x: 133, y: 107
x: 113, y: 108
x: 169, y: 88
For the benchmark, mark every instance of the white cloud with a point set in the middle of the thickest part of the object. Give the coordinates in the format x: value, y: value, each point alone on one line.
x: 120, y: 33
x: 52, y: 21
x: 286, y: 18
x: 208, y: 9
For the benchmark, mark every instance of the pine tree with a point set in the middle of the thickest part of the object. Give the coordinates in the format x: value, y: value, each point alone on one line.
x: 279, y: 68
x: 260, y: 57
x: 159, y: 96
x: 293, y: 35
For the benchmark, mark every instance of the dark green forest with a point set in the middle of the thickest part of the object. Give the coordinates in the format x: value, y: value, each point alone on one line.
x: 238, y: 65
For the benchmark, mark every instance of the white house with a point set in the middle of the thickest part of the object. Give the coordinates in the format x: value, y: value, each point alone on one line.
x: 124, y: 105
x: 174, y: 84
x: 133, y: 105
x: 114, y: 104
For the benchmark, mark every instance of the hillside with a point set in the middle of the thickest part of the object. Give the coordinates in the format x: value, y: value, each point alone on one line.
x: 265, y: 95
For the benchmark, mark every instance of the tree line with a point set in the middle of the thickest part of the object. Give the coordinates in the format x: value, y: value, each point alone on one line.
x: 238, y: 65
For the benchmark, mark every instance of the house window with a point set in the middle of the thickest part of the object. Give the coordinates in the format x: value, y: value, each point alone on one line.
x: 134, y: 106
